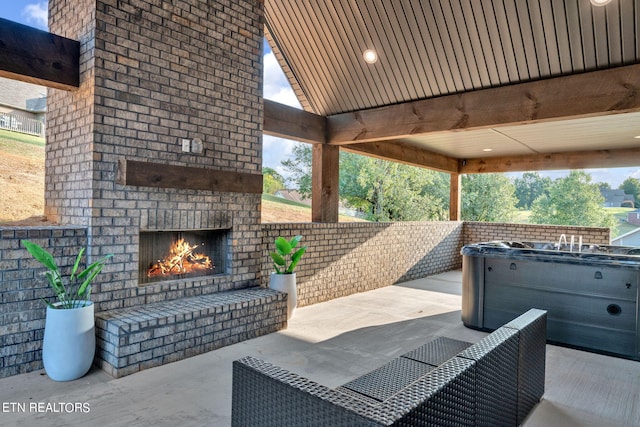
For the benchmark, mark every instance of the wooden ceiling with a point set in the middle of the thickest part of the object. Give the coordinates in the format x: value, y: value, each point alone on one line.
x: 523, y: 79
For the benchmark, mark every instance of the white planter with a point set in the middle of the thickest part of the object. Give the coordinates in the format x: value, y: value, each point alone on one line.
x: 69, y: 342
x: 286, y: 283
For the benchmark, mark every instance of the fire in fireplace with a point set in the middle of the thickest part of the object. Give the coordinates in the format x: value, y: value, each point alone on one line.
x: 169, y: 255
x: 182, y: 258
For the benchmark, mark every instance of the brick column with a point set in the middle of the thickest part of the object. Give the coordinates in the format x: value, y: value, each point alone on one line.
x: 155, y: 73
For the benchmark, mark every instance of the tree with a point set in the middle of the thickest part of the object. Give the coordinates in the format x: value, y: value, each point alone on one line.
x: 272, y: 181
x: 632, y: 186
x: 383, y: 190
x: 299, y: 167
x: 530, y: 187
x: 488, y: 197
x: 572, y: 200
x: 603, y: 186
x: 391, y: 191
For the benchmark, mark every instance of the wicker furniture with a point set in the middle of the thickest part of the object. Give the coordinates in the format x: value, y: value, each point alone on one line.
x: 496, y: 381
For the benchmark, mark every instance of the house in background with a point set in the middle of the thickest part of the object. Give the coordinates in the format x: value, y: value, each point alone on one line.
x: 23, y: 107
x: 617, y: 199
x: 632, y: 238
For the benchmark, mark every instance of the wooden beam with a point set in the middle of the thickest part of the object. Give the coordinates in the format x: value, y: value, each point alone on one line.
x: 556, y: 161
x: 325, y: 174
x: 609, y: 91
x: 404, y: 153
x: 287, y: 122
x: 455, y: 199
x: 149, y: 174
x: 38, y: 57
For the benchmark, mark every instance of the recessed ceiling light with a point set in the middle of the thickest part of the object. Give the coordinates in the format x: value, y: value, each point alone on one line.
x: 637, y: 137
x: 370, y: 56
x: 487, y: 149
x: 600, y: 2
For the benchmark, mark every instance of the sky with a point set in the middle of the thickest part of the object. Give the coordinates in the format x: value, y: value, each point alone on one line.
x: 276, y: 88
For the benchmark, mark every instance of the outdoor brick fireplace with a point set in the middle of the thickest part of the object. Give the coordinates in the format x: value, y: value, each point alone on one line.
x: 161, y: 146
x: 178, y: 254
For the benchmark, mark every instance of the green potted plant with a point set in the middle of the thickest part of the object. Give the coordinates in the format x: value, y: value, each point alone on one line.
x: 285, y: 260
x: 69, y: 338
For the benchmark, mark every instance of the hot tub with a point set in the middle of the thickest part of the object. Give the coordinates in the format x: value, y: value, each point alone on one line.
x: 589, y: 291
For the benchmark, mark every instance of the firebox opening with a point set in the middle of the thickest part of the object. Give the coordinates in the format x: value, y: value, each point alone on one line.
x: 171, y: 255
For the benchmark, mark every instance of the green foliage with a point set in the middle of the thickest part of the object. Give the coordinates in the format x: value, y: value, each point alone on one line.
x: 488, y: 197
x: 384, y: 191
x: 7, y: 136
x: 604, y: 186
x: 572, y: 200
x: 529, y: 188
x: 284, y: 261
x: 632, y: 186
x: 390, y: 191
x: 299, y: 167
x: 272, y: 181
x: 79, y: 286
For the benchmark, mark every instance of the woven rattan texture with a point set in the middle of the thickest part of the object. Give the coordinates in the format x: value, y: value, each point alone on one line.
x: 438, y: 351
x: 531, y: 360
x: 497, y: 377
x: 265, y: 395
x: 495, y: 382
x: 388, y: 379
x: 444, y: 397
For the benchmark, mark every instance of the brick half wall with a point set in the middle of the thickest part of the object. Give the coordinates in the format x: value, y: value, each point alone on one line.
x: 474, y: 232
x: 343, y: 259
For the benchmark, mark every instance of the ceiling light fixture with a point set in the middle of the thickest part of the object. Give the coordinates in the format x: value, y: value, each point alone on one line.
x: 487, y: 149
x: 637, y: 137
x: 600, y: 2
x: 370, y: 56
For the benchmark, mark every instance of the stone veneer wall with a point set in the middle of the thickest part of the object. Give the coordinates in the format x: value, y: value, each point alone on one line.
x: 346, y: 258
x: 154, y: 72
x: 474, y: 232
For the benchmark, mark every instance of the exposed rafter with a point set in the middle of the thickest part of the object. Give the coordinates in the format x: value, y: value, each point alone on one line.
x: 292, y: 123
x: 555, y: 161
x: 403, y: 153
x: 38, y: 57
x: 596, y: 93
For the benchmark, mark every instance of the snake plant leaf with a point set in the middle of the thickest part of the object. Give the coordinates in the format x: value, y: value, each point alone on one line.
x: 295, y: 258
x: 278, y: 259
x: 294, y: 241
x: 283, y: 246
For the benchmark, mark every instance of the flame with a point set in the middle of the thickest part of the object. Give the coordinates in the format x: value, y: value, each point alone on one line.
x: 181, y: 260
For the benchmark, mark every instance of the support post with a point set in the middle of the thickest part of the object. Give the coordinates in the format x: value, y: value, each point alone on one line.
x: 455, y: 201
x: 324, y: 183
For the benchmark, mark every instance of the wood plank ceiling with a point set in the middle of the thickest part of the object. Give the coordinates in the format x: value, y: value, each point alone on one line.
x: 432, y: 49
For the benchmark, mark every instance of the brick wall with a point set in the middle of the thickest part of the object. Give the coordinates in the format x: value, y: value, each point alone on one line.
x: 342, y: 259
x: 347, y: 258
x: 474, y: 232
x: 152, y: 73
x: 22, y: 284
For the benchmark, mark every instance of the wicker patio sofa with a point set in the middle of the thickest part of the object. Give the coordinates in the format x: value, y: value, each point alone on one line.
x: 496, y: 381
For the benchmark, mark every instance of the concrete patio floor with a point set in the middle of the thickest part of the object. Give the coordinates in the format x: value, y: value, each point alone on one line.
x: 331, y: 343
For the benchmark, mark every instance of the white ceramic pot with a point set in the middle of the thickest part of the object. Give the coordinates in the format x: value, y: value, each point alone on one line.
x: 286, y: 283
x: 69, y: 342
